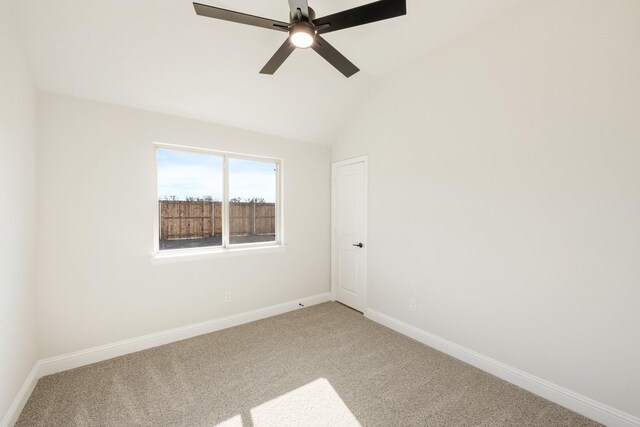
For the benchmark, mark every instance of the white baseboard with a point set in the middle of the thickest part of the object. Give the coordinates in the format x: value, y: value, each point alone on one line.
x: 109, y: 351
x: 18, y: 403
x: 97, y: 354
x: 576, y: 402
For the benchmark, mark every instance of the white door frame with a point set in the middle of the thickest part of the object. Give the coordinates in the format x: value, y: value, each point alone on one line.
x: 360, y: 159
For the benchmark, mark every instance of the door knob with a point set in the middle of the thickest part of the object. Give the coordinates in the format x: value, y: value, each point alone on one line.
x: 360, y: 245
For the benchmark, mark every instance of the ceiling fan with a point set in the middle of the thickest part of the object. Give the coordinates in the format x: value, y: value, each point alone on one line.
x: 304, y: 28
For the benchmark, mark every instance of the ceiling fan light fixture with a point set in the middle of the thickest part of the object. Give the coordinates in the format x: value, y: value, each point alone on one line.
x: 302, y: 35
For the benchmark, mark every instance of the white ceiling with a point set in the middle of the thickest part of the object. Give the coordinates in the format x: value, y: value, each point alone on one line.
x: 159, y: 55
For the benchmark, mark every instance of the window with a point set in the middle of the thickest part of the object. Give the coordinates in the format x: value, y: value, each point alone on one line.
x: 210, y: 199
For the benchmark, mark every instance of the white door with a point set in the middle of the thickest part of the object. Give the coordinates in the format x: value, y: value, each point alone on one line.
x: 349, y: 234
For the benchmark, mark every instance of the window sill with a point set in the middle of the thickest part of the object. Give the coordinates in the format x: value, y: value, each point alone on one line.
x: 183, y: 255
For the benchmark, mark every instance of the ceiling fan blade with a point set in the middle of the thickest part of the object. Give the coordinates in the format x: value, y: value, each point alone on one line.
x: 334, y: 57
x: 242, y: 18
x: 278, y: 58
x: 302, y: 5
x: 372, y: 12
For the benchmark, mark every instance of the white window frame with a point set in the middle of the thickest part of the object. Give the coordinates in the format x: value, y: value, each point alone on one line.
x: 170, y: 255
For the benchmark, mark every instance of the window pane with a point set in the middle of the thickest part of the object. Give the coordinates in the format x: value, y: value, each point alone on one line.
x: 252, y: 201
x: 189, y: 199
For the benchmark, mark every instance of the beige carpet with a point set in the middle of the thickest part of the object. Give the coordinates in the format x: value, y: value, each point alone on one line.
x: 323, y: 366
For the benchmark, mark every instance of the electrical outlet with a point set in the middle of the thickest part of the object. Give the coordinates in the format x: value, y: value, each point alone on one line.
x: 227, y: 297
x: 412, y: 304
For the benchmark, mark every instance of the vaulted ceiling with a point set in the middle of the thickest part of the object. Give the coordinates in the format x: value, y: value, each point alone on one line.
x: 159, y: 55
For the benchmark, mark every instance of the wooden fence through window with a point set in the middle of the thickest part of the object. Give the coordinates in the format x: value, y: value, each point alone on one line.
x: 198, y: 219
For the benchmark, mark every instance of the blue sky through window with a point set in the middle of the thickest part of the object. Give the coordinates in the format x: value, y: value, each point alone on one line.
x: 183, y: 174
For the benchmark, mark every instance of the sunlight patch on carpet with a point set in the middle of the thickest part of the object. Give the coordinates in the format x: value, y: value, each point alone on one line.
x: 314, y: 404
x: 231, y: 422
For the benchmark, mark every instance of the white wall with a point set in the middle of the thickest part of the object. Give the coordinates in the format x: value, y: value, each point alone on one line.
x: 96, y: 284
x: 17, y: 214
x: 505, y: 194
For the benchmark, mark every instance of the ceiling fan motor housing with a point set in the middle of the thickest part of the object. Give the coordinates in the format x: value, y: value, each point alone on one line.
x: 301, y: 17
x: 302, y: 31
